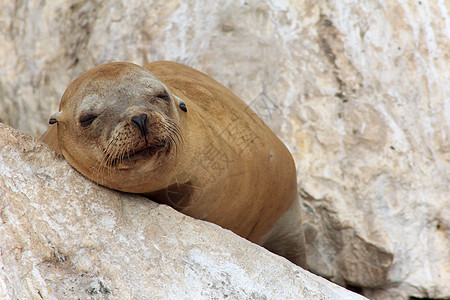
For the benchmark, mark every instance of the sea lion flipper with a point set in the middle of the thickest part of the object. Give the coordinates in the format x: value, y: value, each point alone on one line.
x: 50, y: 137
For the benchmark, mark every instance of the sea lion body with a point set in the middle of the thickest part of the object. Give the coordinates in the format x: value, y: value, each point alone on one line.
x: 199, y: 148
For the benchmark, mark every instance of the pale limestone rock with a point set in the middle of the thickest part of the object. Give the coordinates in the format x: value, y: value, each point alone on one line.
x: 358, y: 90
x: 64, y: 237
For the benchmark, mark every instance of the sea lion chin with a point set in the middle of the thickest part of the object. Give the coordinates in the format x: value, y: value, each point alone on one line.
x: 179, y: 137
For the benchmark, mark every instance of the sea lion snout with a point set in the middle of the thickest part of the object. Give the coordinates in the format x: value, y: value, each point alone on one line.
x: 141, y: 123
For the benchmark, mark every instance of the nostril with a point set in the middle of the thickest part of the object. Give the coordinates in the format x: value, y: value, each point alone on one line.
x: 141, y: 123
x: 138, y: 120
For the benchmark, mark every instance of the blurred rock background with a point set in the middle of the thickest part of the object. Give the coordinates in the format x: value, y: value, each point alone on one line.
x: 358, y: 90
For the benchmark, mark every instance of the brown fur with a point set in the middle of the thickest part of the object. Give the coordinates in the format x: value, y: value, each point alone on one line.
x: 226, y: 166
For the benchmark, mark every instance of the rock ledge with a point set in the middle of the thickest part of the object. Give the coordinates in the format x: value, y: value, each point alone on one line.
x: 62, y: 236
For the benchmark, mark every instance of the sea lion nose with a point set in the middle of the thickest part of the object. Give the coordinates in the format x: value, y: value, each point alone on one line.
x: 141, y: 123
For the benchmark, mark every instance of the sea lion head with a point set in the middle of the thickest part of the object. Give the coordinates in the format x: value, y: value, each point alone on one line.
x: 120, y: 126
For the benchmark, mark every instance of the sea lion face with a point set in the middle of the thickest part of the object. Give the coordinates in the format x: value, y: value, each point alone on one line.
x: 117, y: 124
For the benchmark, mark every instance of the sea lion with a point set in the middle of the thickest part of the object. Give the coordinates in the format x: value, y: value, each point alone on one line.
x: 179, y: 137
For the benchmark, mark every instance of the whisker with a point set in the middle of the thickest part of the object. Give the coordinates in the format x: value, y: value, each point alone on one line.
x: 105, y: 169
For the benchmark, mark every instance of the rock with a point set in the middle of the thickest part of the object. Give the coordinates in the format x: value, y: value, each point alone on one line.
x: 358, y: 90
x: 62, y: 236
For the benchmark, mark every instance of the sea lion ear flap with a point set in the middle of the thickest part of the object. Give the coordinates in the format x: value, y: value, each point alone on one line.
x: 181, y: 104
x: 54, y: 118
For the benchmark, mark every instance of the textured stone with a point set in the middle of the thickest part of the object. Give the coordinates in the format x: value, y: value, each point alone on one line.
x: 64, y: 237
x: 358, y: 90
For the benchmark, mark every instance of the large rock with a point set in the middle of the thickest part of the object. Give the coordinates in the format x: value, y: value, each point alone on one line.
x: 358, y: 90
x: 64, y: 237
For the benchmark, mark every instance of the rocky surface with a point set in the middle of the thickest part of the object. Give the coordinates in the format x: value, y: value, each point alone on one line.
x: 64, y: 237
x: 358, y: 90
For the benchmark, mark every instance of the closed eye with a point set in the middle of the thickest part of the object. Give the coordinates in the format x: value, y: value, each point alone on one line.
x: 87, y: 120
x: 164, y: 96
